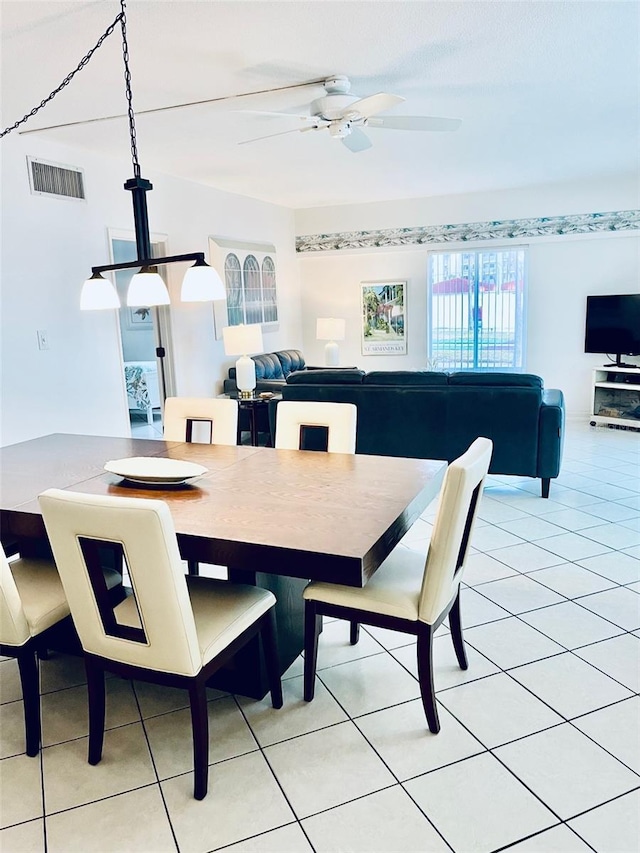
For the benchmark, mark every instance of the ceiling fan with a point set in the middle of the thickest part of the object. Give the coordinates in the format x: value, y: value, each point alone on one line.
x: 344, y: 115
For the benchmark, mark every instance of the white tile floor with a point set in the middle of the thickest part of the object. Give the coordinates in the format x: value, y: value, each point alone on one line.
x: 539, y: 748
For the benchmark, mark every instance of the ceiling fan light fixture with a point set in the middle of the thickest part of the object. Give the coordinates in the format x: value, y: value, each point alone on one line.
x: 98, y: 294
x: 202, y: 283
x: 339, y: 130
x: 146, y: 289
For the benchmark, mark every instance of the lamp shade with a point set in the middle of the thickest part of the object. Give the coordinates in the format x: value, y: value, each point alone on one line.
x: 147, y: 288
x: 330, y: 329
x: 242, y: 340
x: 97, y: 294
x: 202, y: 283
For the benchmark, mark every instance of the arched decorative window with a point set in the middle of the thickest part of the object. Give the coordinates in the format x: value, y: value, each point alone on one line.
x: 233, y: 284
x: 269, y: 299
x: 251, y: 290
x: 250, y: 281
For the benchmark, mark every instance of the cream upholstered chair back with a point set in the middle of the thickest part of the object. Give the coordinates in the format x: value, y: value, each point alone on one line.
x: 14, y: 628
x: 142, y: 531
x: 340, y: 419
x: 180, y: 413
x: 459, y: 501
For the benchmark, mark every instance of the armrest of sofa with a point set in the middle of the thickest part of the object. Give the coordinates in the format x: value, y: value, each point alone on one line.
x: 327, y: 376
x: 551, y: 433
x: 275, y: 385
x: 324, y: 367
x: 229, y: 385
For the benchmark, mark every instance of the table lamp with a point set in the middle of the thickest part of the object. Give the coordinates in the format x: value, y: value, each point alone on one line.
x: 330, y: 329
x: 243, y: 340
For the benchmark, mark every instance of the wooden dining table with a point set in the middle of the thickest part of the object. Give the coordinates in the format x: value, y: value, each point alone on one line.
x: 275, y: 518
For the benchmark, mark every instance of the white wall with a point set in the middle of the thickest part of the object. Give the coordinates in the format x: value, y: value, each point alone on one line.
x: 562, y: 272
x: 48, y: 247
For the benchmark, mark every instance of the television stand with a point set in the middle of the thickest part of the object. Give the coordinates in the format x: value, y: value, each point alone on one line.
x: 616, y: 394
x: 618, y: 363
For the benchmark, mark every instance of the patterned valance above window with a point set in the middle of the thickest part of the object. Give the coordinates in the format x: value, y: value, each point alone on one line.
x: 581, y: 223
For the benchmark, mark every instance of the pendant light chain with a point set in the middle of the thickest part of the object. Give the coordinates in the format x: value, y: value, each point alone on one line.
x: 68, y: 78
x: 127, y: 83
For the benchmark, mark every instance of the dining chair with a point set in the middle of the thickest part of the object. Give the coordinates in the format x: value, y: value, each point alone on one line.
x: 181, y: 413
x: 172, y: 629
x: 408, y: 593
x: 302, y: 425
x: 33, y: 605
x: 221, y: 417
x: 32, y: 601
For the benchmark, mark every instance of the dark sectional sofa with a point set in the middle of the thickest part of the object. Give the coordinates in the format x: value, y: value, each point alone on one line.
x: 437, y: 415
x: 272, y: 369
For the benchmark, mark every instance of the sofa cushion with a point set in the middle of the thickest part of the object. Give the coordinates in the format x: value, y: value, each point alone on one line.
x: 517, y: 380
x: 405, y: 377
x: 331, y: 376
x: 268, y: 366
x: 290, y: 360
x: 508, y: 416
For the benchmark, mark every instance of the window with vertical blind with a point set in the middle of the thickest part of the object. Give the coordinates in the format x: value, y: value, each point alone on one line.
x: 476, y: 309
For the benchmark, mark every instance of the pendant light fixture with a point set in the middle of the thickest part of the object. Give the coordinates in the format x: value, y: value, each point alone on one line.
x: 201, y: 282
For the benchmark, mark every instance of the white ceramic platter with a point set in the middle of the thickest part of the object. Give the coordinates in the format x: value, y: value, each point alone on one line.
x: 155, y: 470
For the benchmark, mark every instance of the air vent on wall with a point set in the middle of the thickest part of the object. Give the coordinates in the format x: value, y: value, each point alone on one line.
x: 53, y: 179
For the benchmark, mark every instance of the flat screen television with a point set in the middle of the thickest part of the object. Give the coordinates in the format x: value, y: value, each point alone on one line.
x: 613, y: 326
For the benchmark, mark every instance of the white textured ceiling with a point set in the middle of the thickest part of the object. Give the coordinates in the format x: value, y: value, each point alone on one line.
x: 548, y: 91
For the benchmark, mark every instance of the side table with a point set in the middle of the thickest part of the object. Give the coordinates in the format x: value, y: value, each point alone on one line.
x: 257, y: 409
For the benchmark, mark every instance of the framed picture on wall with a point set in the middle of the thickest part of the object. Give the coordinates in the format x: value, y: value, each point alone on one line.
x: 139, y: 318
x: 384, y: 307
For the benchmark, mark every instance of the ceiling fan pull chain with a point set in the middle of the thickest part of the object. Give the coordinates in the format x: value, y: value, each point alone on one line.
x: 67, y: 79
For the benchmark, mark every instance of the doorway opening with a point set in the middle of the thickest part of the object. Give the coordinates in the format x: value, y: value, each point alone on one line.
x: 145, y: 336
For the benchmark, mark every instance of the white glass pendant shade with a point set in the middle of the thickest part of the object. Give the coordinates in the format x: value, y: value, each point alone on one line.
x: 147, y: 288
x: 245, y: 374
x: 98, y: 294
x: 202, y: 283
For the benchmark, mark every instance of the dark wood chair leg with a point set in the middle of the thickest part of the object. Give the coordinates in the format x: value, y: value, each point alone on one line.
x: 97, y: 708
x: 28, y: 666
x: 271, y: 659
x: 193, y: 567
x: 456, y: 633
x: 546, y: 485
x: 312, y: 625
x: 425, y: 676
x: 200, y: 731
x: 354, y: 632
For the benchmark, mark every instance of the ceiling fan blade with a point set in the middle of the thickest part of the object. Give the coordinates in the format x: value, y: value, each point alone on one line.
x: 357, y: 141
x: 277, y: 115
x: 270, y: 135
x: 177, y: 106
x: 373, y: 104
x: 433, y: 123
